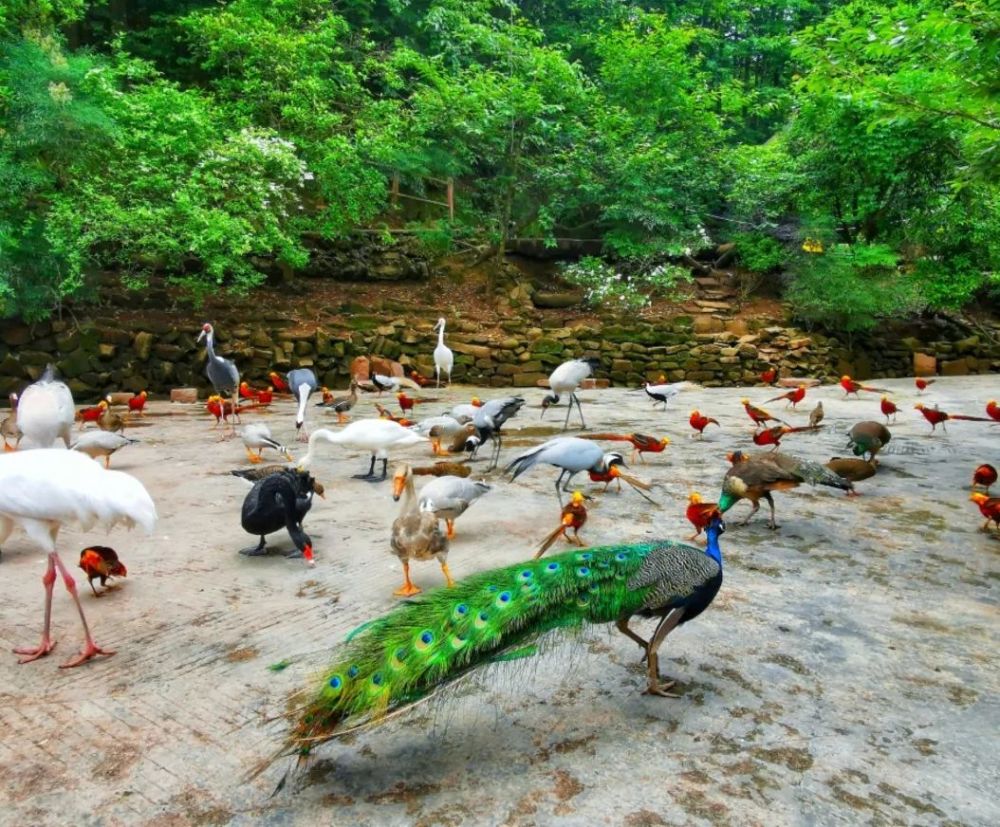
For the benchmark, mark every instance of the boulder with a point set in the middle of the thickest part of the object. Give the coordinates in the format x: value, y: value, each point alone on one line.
x: 956, y: 367
x: 186, y: 396
x: 142, y: 344
x: 557, y: 300
x: 924, y: 364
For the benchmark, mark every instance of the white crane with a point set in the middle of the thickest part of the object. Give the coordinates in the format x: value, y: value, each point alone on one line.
x: 40, y: 492
x: 45, y: 412
x: 444, y: 359
x: 377, y: 436
x: 566, y: 379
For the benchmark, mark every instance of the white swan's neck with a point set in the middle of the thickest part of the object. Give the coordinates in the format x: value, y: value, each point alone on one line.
x: 303, y: 390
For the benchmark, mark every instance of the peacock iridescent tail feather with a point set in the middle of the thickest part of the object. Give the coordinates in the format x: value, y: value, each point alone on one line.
x: 424, y: 644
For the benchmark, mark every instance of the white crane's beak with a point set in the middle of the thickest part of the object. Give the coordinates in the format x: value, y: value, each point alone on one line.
x: 201, y: 336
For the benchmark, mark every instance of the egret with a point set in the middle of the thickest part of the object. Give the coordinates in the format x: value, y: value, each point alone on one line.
x: 222, y: 373
x: 40, y: 491
x: 45, y: 411
x: 566, y: 379
x: 378, y: 436
x: 302, y: 383
x: 444, y: 359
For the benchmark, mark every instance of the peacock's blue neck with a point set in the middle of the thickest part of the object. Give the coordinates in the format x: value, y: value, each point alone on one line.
x: 712, y: 548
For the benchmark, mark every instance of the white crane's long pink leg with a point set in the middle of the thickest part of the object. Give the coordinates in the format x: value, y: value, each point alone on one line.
x: 46, y: 646
x: 89, y: 647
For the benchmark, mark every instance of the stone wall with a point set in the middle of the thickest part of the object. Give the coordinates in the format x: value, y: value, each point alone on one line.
x: 100, y: 355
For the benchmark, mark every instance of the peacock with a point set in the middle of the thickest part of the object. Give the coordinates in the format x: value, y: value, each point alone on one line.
x: 391, y: 663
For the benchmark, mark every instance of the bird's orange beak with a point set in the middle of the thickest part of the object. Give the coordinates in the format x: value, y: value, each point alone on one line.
x: 398, y: 483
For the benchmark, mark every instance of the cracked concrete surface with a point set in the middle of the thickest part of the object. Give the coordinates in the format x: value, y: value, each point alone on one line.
x: 846, y: 674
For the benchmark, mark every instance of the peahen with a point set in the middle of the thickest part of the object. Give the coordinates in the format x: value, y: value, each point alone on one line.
x: 868, y: 437
x: 408, y: 654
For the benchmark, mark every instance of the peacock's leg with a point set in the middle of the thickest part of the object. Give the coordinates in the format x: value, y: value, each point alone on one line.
x: 90, y: 649
x: 770, y: 501
x: 622, y: 625
x: 255, y: 551
x: 47, y: 644
x: 665, y: 627
x: 407, y: 589
x: 754, y: 510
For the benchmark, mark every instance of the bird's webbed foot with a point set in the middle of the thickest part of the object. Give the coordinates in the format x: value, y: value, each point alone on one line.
x: 254, y: 551
x: 35, y: 652
x: 89, y: 650
x: 773, y: 526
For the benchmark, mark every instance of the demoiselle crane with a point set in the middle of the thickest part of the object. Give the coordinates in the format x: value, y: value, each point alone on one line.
x: 302, y: 382
x: 221, y: 372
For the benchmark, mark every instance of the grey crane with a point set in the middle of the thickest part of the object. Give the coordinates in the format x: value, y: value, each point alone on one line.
x: 302, y: 383
x: 221, y: 372
x: 571, y: 455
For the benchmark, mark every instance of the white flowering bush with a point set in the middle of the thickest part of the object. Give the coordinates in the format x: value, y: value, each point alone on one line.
x: 625, y: 288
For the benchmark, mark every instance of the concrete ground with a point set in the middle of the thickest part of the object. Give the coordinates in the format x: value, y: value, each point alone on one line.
x: 846, y: 674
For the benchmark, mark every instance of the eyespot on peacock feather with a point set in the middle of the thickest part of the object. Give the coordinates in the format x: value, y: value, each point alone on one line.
x: 390, y: 664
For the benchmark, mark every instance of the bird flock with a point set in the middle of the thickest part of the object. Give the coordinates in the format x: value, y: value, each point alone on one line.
x: 491, y: 615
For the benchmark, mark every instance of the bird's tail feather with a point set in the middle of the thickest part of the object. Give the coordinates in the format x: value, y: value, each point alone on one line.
x: 548, y: 541
x: 425, y: 644
x: 608, y: 437
x: 969, y: 418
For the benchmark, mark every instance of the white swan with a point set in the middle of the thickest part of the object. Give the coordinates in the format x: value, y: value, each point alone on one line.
x: 375, y: 435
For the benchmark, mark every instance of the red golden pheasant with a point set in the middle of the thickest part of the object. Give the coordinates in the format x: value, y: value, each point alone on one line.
x: 700, y: 422
x: 137, y: 403
x: 699, y: 514
x: 993, y: 410
x: 759, y: 415
x: 613, y: 473
x: 246, y: 392
x: 793, y: 397
x: 407, y: 403
x: 984, y: 476
x: 574, y: 515
x: 266, y: 396
x: 938, y: 417
x: 850, y: 386
x: 923, y: 383
x: 769, y: 376
x: 278, y: 382
x: 420, y: 379
x: 773, y: 436
x: 92, y: 414
x: 989, y: 507
x: 101, y: 562
x: 641, y: 443
x: 889, y: 408
x: 385, y: 413
x: 222, y: 410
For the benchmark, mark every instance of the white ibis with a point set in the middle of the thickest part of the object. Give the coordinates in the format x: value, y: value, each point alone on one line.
x: 378, y: 436
x: 222, y: 373
x: 45, y: 412
x: 302, y: 382
x: 43, y: 490
x: 565, y: 379
x: 444, y: 359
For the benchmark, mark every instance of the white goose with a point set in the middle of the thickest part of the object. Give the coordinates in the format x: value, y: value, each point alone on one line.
x: 43, y: 490
x: 45, y: 412
x: 444, y: 359
x: 377, y: 436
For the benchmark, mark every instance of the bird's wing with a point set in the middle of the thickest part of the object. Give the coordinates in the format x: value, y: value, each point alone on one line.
x: 673, y: 571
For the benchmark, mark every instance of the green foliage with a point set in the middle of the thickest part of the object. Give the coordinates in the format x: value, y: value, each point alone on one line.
x: 850, y: 288
x: 628, y: 288
x: 758, y: 252
x: 199, y: 141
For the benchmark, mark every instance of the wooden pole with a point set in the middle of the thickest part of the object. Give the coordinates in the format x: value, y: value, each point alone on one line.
x: 451, y: 199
